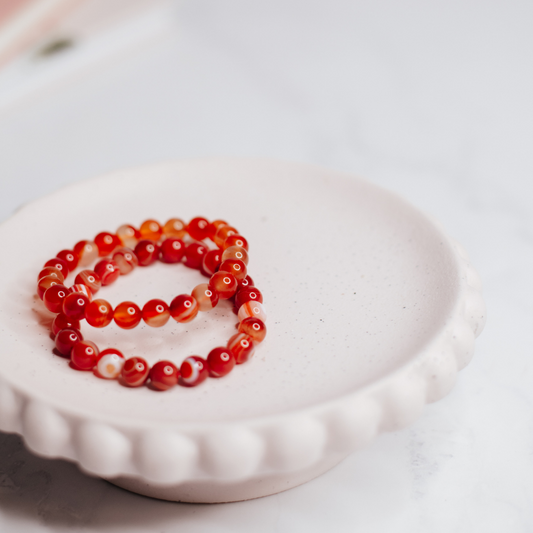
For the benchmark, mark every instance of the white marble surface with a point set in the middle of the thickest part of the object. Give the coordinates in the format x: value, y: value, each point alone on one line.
x: 430, y: 100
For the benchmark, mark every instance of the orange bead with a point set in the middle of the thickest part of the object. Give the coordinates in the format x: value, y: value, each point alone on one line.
x: 87, y: 252
x: 224, y: 284
x: 89, y: 278
x: 235, y: 252
x: 206, y: 298
x: 128, y: 235
x: 223, y: 232
x: 198, y: 228
x: 127, y: 315
x: 213, y: 227
x: 175, y: 227
x: 235, y: 266
x: 51, y: 271
x: 235, y: 240
x: 155, y: 313
x: 254, y: 327
x: 151, y: 229
x: 99, y: 313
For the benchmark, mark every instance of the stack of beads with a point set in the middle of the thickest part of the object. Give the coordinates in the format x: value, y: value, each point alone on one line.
x: 119, y: 254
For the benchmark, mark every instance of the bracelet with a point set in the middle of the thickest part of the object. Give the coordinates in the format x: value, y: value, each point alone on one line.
x: 226, y: 267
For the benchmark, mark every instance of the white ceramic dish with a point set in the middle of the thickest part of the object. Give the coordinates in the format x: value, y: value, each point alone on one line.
x: 372, y: 311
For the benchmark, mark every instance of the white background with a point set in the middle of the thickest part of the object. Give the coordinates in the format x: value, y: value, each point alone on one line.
x: 430, y: 99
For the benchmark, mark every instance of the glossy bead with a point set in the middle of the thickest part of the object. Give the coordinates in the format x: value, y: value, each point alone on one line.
x: 58, y: 263
x: 127, y: 315
x: 183, y: 308
x: 247, y: 294
x: 246, y: 282
x: 128, y: 235
x: 206, y: 298
x: 220, y: 362
x: 194, y: 254
x: 235, y: 252
x: 53, y: 298
x: 135, y: 372
x: 66, y: 339
x: 224, y: 283
x: 193, y: 371
x: 172, y: 250
x: 235, y: 240
x: 211, y: 262
x: 110, y: 363
x: 213, y: 227
x: 70, y: 257
x: 164, y: 375
x: 81, y: 288
x: 84, y: 355
x: 155, y: 313
x: 45, y: 283
x: 254, y: 327
x: 74, y: 305
x: 252, y: 308
x: 242, y: 347
x: 89, y: 278
x: 87, y: 252
x: 147, y: 252
x: 107, y: 270
x: 151, y: 229
x: 99, y: 313
x: 62, y: 322
x: 223, y: 232
x: 198, y: 228
x: 175, y: 227
x: 126, y: 260
x: 235, y: 267
x: 51, y: 272
x: 106, y: 243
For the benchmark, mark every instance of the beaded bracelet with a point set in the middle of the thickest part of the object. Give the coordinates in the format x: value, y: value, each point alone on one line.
x: 226, y: 267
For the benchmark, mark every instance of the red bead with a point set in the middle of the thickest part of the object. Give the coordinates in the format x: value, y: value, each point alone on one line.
x: 247, y: 294
x: 172, y: 250
x: 60, y: 264
x: 151, y: 229
x: 183, y: 308
x: 147, y: 252
x: 213, y: 228
x: 89, y: 278
x: 108, y: 271
x: 235, y: 266
x: 254, y: 327
x: 224, y: 283
x: 220, y: 362
x: 127, y: 315
x: 87, y: 252
x: 63, y: 322
x: 194, y: 254
x: 175, y: 227
x: 80, y: 287
x: 193, y: 371
x: 135, y: 372
x: 246, y: 282
x: 235, y: 240
x: 164, y: 375
x: 211, y: 262
x: 54, y: 296
x: 45, y: 283
x: 198, y: 228
x: 223, y: 232
x: 155, y: 313
x: 106, y: 243
x: 99, y: 313
x: 110, y: 363
x: 70, y: 257
x: 126, y: 260
x: 66, y: 339
x: 84, y: 355
x: 242, y: 347
x: 128, y: 235
x: 51, y: 271
x: 235, y: 252
x: 74, y: 305
x: 206, y: 298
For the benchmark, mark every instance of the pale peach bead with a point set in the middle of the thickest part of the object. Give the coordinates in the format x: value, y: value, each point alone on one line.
x: 206, y: 298
x: 175, y: 227
x: 128, y: 235
x: 87, y: 252
x: 235, y: 252
x: 252, y: 308
x: 126, y: 260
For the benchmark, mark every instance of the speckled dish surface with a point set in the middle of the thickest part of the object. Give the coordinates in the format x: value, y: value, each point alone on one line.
x: 372, y: 310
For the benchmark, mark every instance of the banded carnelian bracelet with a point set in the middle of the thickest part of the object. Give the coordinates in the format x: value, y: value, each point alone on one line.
x: 226, y: 266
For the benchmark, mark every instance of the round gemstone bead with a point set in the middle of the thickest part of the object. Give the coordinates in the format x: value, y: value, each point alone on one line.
x: 213, y: 227
x: 151, y: 229
x: 135, y: 372
x: 206, y: 298
x: 193, y: 371
x: 211, y: 262
x: 70, y: 257
x: 53, y: 272
x: 220, y: 362
x: 223, y: 232
x: 224, y: 283
x: 252, y: 308
x: 235, y: 267
x: 128, y: 235
x: 164, y: 375
x: 99, y: 313
x: 246, y: 282
x: 127, y: 315
x: 89, y: 278
x: 45, y: 283
x: 183, y: 308
x: 74, y: 305
x: 242, y: 347
x: 60, y: 264
x: 87, y: 252
x: 66, y: 339
x: 155, y: 313
x: 235, y: 240
x: 247, y: 294
x: 235, y: 252
x: 194, y: 254
x: 174, y: 227
x: 126, y: 260
x: 106, y: 243
x: 84, y: 355
x: 172, y: 250
x: 147, y: 252
x: 108, y: 271
x: 198, y: 228
x: 254, y: 327
x: 63, y: 322
x: 53, y: 298
x: 81, y: 288
x: 110, y: 363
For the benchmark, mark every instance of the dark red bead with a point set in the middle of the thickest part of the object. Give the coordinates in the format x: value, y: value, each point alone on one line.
x: 247, y: 294
x: 66, y: 339
x: 164, y: 375
x: 84, y: 355
x: 194, y: 254
x: 53, y: 298
x: 246, y: 282
x: 70, y: 257
x: 107, y: 270
x: 211, y: 262
x: 63, y: 322
x: 220, y: 362
x: 198, y: 228
x: 172, y: 250
x: 253, y: 327
x: 147, y: 252
x: 135, y: 372
x: 106, y: 243
x: 60, y: 264
x: 74, y: 305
